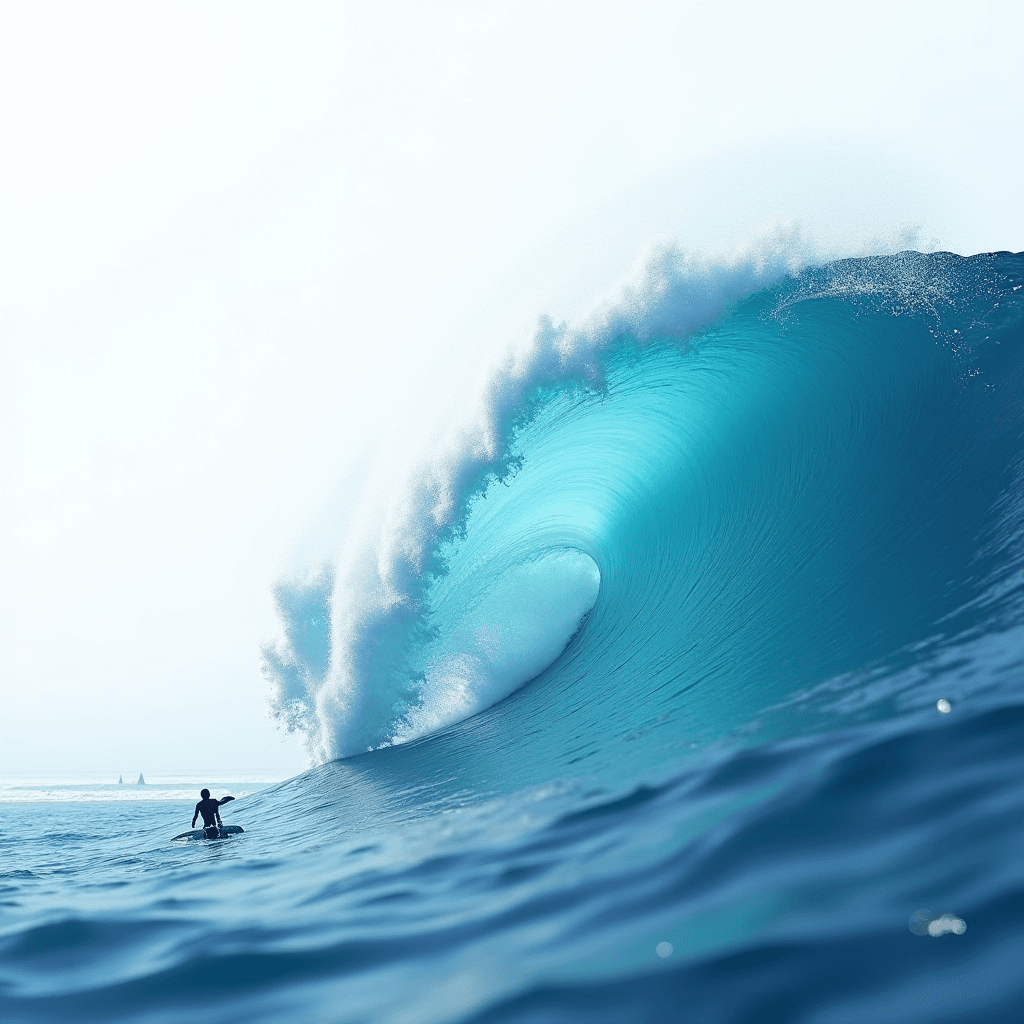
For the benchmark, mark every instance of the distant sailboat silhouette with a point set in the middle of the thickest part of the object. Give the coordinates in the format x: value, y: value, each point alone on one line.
x: 120, y: 781
x: 141, y: 781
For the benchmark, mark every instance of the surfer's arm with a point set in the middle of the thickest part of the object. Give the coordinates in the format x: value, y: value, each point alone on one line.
x: 194, y: 816
x: 225, y: 800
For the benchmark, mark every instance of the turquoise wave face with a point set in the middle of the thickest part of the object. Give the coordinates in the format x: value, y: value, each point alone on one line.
x: 727, y: 531
x: 803, y: 497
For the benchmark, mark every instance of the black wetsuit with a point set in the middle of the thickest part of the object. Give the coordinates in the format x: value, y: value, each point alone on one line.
x: 210, y: 810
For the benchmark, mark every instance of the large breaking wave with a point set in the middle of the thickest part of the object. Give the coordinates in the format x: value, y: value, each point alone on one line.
x: 736, y: 477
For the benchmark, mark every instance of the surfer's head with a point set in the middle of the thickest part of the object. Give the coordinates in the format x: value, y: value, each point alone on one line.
x: 205, y: 794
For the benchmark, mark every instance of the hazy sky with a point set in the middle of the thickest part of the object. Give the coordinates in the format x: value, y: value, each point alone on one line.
x: 241, y: 243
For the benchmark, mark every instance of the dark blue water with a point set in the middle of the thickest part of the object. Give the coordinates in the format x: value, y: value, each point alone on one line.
x: 772, y: 546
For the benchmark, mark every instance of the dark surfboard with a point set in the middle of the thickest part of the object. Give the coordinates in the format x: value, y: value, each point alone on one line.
x: 213, y: 832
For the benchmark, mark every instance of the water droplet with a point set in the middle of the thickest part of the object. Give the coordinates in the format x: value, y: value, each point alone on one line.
x: 663, y: 949
x: 943, y: 706
x: 945, y: 924
x: 924, y: 923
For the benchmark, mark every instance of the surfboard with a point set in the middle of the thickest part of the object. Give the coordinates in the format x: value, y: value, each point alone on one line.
x: 212, y: 832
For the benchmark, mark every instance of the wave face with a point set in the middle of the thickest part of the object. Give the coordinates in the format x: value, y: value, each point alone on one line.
x: 421, y: 622
x: 682, y: 524
x: 696, y: 688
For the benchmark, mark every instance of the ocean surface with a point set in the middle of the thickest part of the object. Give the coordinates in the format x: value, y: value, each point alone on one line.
x: 685, y: 684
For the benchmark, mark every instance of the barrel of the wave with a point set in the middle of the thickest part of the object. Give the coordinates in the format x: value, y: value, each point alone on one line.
x: 510, y: 620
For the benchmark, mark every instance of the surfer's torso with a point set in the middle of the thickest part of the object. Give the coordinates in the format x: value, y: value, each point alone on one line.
x: 208, y: 808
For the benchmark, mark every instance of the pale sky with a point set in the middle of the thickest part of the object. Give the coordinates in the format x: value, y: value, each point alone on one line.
x: 242, y: 243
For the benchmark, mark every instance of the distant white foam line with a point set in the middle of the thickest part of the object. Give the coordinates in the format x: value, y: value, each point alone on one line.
x: 109, y: 794
x: 89, y: 789
x: 362, y: 699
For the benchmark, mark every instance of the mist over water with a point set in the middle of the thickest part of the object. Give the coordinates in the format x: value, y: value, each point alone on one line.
x: 683, y: 681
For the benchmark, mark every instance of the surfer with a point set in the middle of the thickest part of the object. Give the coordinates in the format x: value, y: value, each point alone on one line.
x: 209, y: 809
